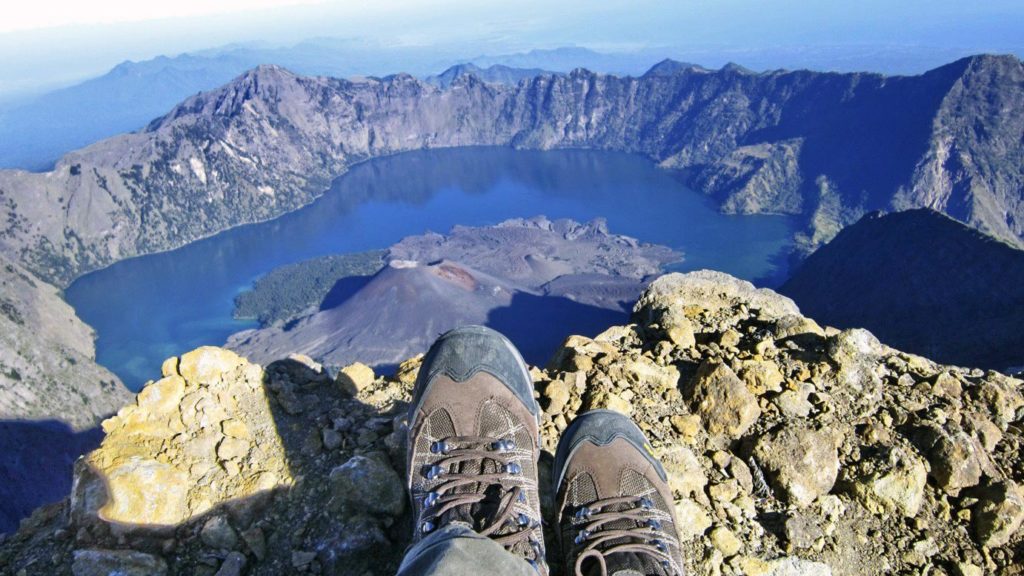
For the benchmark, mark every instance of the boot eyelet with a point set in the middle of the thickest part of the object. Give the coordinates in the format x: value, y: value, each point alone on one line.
x: 654, y: 524
x: 430, y: 499
x: 439, y: 447
x: 426, y: 526
x: 646, y: 503
x: 582, y: 537
x: 513, y: 468
x: 503, y: 445
x: 660, y: 545
x: 583, y: 513
x: 433, y: 472
x: 523, y: 520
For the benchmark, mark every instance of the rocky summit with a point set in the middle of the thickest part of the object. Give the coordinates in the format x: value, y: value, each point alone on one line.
x: 791, y: 448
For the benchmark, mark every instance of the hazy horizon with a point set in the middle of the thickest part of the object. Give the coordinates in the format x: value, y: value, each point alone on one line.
x: 55, y: 43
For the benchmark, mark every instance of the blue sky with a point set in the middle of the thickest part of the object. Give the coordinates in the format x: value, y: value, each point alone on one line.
x: 50, y: 42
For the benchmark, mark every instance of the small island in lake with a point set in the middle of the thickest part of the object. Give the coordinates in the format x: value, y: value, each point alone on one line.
x: 536, y: 280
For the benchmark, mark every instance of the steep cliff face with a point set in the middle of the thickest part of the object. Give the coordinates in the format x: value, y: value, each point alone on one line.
x: 827, y: 146
x: 968, y: 171
x: 923, y: 282
x: 790, y: 449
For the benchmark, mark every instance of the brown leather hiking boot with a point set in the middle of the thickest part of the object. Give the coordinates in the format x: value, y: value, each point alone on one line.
x: 615, y: 509
x: 473, y: 442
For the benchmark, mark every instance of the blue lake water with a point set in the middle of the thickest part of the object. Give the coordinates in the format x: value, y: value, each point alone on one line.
x: 149, y: 308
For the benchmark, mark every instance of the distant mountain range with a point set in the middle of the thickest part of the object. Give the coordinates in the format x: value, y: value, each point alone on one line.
x: 494, y: 74
x: 36, y: 132
x: 827, y: 147
x: 924, y: 283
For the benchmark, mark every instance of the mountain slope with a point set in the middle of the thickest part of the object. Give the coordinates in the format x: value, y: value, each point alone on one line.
x: 923, y: 282
x: 52, y: 394
x: 829, y: 147
x: 47, y: 358
x: 36, y: 133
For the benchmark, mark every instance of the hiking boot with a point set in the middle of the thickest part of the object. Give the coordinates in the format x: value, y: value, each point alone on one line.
x: 615, y: 509
x: 474, y: 443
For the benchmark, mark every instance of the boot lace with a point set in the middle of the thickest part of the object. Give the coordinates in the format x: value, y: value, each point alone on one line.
x: 480, y: 487
x: 602, y: 535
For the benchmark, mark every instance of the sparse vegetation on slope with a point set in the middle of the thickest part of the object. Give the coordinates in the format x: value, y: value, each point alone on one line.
x: 291, y: 290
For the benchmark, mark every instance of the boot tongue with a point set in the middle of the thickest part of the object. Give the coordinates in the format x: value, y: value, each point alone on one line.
x: 480, y: 514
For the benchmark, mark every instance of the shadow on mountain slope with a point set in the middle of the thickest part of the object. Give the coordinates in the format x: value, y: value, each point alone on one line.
x: 343, y: 290
x: 922, y: 282
x: 36, y: 459
x: 538, y: 324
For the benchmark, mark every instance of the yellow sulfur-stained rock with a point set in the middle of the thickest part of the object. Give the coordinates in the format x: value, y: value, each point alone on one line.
x: 162, y: 396
x: 145, y: 492
x: 234, y: 428
x: 692, y: 519
x: 725, y: 405
x: 232, y: 448
x: 169, y: 367
x: 355, y: 378
x: 897, y: 488
x: 662, y: 378
x: 191, y: 443
x: 206, y: 365
x: 725, y: 541
x: 761, y: 377
x: 685, y: 474
x: 613, y: 401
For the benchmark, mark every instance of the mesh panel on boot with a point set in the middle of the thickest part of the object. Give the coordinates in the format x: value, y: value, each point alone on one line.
x: 437, y: 425
x: 634, y: 483
x: 582, y: 491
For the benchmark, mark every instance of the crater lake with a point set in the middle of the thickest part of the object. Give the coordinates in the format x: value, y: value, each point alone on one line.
x: 148, y: 308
